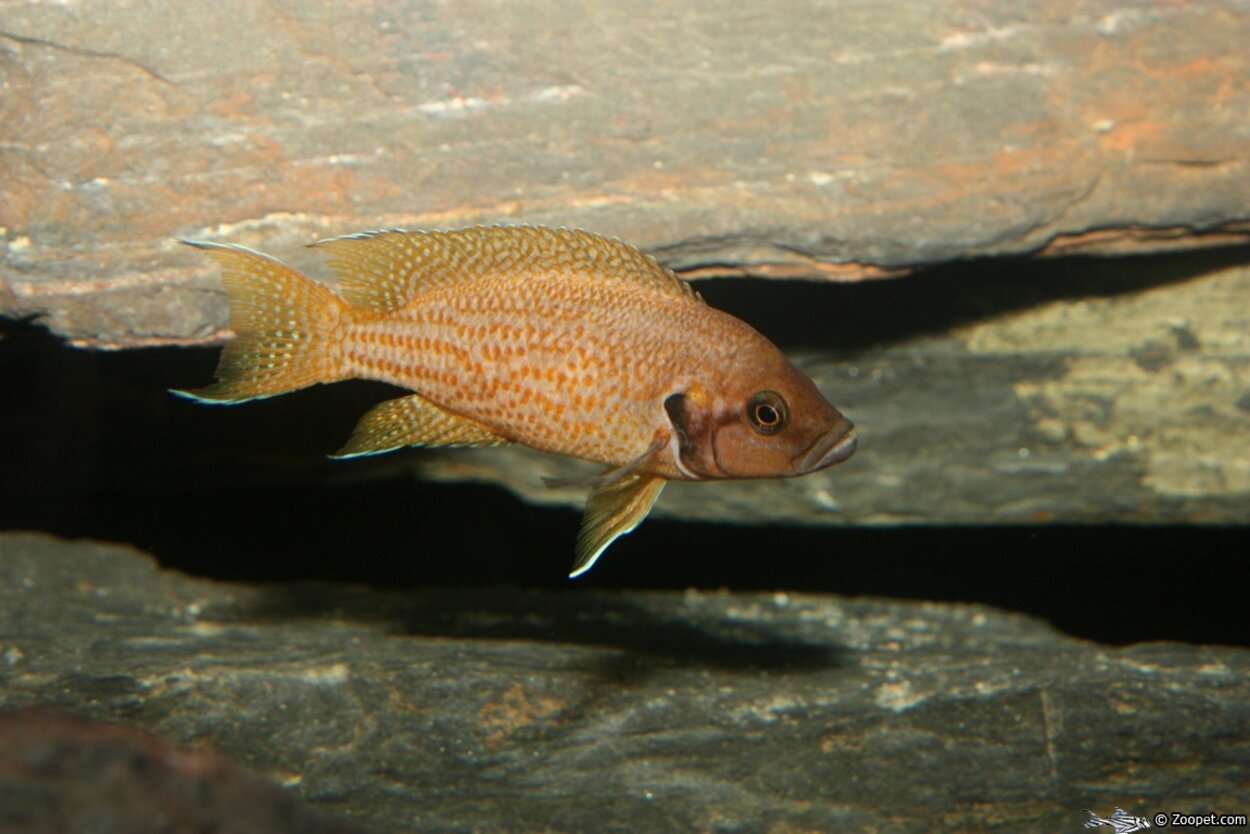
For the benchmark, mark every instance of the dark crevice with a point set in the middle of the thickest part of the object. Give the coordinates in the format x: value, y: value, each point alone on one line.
x: 850, y: 317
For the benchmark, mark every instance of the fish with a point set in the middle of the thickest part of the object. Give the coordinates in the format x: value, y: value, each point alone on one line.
x: 559, y: 339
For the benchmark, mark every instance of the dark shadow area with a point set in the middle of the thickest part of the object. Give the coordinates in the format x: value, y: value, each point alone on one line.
x: 92, y: 445
x: 592, y: 617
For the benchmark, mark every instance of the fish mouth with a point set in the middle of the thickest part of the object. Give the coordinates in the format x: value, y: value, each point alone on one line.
x: 834, y: 446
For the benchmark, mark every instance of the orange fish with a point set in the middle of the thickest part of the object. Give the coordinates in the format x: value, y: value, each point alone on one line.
x: 561, y: 340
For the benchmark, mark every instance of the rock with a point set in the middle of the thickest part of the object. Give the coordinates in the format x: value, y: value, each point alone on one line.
x: 505, y: 710
x: 820, y: 141
x: 60, y: 773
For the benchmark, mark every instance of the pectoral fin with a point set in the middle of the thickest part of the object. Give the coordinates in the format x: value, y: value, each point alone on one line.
x: 613, y: 509
x: 414, y: 421
x: 661, y: 440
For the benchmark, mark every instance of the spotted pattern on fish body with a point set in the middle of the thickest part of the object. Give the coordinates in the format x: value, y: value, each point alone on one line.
x: 562, y: 340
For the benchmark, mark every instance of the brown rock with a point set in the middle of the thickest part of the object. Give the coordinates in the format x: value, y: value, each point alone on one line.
x: 60, y: 773
x: 813, y: 140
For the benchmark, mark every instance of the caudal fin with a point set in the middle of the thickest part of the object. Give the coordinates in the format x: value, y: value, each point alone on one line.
x: 286, y: 328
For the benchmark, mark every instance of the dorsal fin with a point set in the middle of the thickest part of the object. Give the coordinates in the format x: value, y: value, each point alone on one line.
x: 384, y: 270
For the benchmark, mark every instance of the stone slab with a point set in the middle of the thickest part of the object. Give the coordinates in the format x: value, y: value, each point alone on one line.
x: 823, y: 140
x: 444, y: 710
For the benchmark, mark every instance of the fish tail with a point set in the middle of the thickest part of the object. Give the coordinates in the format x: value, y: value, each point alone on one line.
x: 287, y: 329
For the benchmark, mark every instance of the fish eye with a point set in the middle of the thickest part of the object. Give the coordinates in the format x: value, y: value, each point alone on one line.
x: 767, y: 412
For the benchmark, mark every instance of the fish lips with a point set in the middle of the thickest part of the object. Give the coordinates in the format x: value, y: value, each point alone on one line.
x: 834, y: 446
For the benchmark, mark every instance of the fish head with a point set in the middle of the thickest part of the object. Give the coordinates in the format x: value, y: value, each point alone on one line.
x: 764, y: 421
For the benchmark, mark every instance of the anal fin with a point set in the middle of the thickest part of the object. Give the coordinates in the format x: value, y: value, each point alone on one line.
x: 414, y: 421
x: 612, y: 510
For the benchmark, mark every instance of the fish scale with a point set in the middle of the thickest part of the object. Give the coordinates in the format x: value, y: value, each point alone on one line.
x: 518, y: 365
x: 559, y: 339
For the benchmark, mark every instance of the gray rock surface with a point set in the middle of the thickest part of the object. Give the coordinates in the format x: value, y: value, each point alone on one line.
x: 817, y: 139
x: 507, y: 710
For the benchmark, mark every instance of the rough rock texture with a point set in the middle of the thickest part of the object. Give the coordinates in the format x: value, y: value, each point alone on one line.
x: 819, y: 139
x: 444, y: 710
